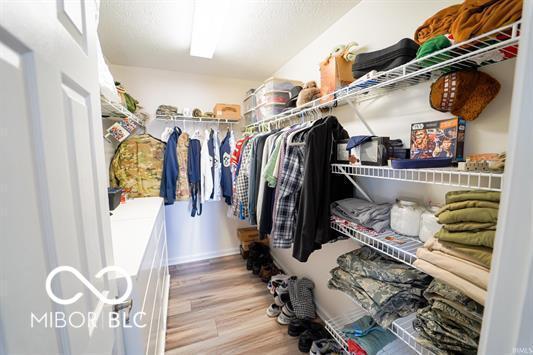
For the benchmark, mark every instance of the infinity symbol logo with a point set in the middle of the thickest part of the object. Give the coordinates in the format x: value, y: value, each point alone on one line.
x: 102, y: 296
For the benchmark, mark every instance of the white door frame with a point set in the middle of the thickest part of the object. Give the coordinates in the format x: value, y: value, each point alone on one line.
x: 508, y: 319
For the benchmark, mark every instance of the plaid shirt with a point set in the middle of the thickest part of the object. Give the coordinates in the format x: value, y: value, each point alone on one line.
x: 286, y: 204
x: 242, y: 183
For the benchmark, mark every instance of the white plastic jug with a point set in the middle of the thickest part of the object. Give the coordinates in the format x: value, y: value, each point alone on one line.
x: 405, y: 217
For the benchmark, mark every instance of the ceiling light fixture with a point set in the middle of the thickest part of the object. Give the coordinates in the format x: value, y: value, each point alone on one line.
x: 207, y: 25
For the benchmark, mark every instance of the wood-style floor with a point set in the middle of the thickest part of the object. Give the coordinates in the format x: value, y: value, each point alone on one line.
x: 218, y: 307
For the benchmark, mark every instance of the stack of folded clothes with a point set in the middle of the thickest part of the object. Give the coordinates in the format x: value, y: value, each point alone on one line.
x: 387, y: 289
x: 451, y: 323
x: 460, y: 253
x: 365, y: 337
x: 368, y: 214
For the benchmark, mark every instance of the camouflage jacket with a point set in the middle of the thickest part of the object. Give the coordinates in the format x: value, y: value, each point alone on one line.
x: 137, y: 166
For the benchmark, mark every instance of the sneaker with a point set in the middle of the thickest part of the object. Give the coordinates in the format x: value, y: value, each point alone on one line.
x: 325, y: 346
x: 287, y: 308
x: 307, y: 338
x: 297, y: 327
x: 273, y: 310
x: 284, y: 318
x: 281, y: 299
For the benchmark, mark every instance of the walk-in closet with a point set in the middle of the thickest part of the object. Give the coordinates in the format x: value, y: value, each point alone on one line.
x: 323, y: 177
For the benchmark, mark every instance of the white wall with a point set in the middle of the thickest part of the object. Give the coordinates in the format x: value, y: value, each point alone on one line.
x: 211, y: 234
x: 379, y: 24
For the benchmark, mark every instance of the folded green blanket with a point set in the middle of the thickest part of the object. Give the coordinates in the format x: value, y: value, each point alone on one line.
x: 468, y: 226
x: 484, y: 238
x: 458, y: 196
x: 467, y: 204
x: 474, y: 214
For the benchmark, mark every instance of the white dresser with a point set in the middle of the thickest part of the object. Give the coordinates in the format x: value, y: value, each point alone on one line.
x: 140, y: 247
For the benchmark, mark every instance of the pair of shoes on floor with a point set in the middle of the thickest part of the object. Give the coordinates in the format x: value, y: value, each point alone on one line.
x: 286, y: 315
x: 298, y: 326
x: 276, y: 281
x: 273, y: 310
x: 325, y: 346
x: 315, y: 333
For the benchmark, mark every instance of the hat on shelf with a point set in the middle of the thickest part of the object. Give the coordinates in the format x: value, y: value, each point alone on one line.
x: 309, y: 93
x: 294, y: 92
x: 197, y: 112
x: 464, y: 93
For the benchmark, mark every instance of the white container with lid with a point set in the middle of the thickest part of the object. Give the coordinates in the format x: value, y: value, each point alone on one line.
x: 405, y: 217
x: 429, y: 224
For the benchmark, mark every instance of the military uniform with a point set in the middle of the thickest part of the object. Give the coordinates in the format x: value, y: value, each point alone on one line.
x: 182, y: 186
x: 137, y: 166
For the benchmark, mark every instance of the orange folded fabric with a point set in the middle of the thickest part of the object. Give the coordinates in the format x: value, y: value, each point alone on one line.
x: 480, y: 16
x: 437, y: 24
x: 470, y: 19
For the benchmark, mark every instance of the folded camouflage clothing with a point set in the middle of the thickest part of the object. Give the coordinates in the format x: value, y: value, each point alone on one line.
x: 451, y: 323
x: 379, y: 284
x: 166, y: 110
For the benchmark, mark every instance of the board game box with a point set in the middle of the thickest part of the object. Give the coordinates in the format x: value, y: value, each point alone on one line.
x: 438, y: 139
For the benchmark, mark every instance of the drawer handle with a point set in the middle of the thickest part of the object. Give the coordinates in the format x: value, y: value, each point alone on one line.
x: 128, y: 305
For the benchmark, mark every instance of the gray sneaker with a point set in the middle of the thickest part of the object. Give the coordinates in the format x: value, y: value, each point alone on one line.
x: 325, y: 346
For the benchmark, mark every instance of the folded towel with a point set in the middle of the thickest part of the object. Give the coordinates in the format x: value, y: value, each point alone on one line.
x: 476, y: 293
x: 467, y: 195
x: 478, y: 275
x: 467, y: 204
x: 476, y: 254
x: 475, y: 214
x: 483, y: 238
x: 469, y: 226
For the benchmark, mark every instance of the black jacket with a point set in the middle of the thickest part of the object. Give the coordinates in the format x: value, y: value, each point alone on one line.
x: 312, y: 225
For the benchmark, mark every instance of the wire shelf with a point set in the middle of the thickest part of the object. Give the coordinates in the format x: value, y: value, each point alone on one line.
x: 491, y: 47
x: 404, y: 330
x: 438, y: 176
x: 394, y: 245
x: 335, y: 325
x: 117, y: 112
x: 178, y: 118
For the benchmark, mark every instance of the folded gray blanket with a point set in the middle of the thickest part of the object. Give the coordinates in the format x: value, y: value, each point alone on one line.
x: 368, y: 214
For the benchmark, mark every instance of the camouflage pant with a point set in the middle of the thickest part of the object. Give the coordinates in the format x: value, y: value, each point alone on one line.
x: 368, y: 262
x: 451, y: 323
x: 384, y: 301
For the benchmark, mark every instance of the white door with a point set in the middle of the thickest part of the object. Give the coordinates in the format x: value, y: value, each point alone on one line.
x: 52, y: 182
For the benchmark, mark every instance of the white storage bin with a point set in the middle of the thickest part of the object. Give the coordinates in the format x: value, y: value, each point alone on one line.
x: 268, y: 110
x: 405, y: 218
x: 249, y: 102
x: 270, y: 97
x: 250, y: 117
x: 429, y: 224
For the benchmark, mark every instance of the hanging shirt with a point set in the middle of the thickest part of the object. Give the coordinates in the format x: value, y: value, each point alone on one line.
x: 217, y: 168
x: 211, y: 149
x: 206, y: 162
x: 226, y: 180
x: 169, y: 177
x: 182, y: 151
x: 194, y: 175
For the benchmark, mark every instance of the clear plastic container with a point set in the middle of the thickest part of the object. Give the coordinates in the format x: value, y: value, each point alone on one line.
x: 265, y: 111
x: 270, y: 97
x: 405, y: 217
x: 250, y: 117
x: 278, y: 84
x: 249, y: 102
x: 429, y: 224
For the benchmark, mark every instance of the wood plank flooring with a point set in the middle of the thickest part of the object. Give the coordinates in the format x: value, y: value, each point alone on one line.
x: 218, y: 307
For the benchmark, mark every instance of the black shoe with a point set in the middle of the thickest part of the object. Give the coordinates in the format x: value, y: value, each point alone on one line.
x: 307, y: 338
x: 297, y: 327
x: 249, y: 263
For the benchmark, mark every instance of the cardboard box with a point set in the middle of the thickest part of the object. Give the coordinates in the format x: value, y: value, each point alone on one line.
x: 247, y: 234
x: 228, y: 112
x: 438, y: 139
x: 335, y: 73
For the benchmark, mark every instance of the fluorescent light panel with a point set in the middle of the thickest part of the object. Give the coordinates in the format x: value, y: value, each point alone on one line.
x: 206, y: 27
